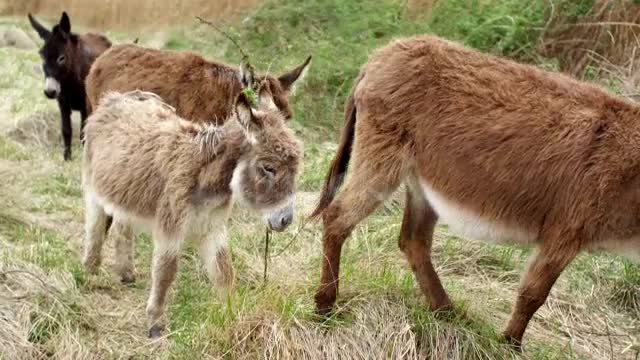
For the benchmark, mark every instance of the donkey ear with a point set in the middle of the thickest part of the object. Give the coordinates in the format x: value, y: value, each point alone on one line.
x: 42, y: 31
x: 65, y: 23
x: 248, y: 117
x: 288, y: 79
x: 266, y: 97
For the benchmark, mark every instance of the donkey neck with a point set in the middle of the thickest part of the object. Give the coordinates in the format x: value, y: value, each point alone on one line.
x: 215, y: 177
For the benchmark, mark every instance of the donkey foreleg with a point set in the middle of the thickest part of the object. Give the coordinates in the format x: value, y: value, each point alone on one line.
x: 214, y: 252
x: 362, y: 194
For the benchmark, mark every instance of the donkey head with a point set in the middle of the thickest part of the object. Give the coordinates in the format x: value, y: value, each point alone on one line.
x: 280, y: 87
x: 265, y: 177
x: 56, y: 53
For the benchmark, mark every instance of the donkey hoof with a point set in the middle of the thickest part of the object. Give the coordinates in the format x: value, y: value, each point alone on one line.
x: 156, y: 331
x: 323, y: 308
x: 513, y: 342
x: 67, y: 155
x: 127, y: 278
x: 324, y: 303
x: 90, y: 266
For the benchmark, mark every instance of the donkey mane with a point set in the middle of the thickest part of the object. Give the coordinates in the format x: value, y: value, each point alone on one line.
x: 207, y: 137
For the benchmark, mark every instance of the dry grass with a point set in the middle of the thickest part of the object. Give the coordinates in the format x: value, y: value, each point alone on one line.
x: 606, y: 37
x: 127, y: 14
x: 41, y: 129
x: 31, y: 303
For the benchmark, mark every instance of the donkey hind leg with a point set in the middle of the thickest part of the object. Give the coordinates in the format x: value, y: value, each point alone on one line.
x: 124, y: 242
x: 216, y: 259
x: 416, y: 236
x: 365, y: 189
x: 163, y: 272
x: 95, y: 222
x: 65, y: 114
x: 543, y: 270
x: 83, y: 121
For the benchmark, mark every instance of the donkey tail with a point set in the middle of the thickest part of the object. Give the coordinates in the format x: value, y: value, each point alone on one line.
x: 338, y: 167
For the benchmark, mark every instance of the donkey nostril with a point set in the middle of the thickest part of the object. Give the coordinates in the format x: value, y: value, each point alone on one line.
x: 285, y: 221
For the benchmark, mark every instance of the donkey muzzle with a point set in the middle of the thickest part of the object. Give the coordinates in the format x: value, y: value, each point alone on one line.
x: 51, y: 88
x: 281, y: 218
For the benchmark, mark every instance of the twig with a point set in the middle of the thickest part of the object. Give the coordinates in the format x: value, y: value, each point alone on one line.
x: 607, y: 23
x: 245, y: 57
x: 267, y: 237
x: 225, y: 34
x: 606, y: 323
x: 293, y: 239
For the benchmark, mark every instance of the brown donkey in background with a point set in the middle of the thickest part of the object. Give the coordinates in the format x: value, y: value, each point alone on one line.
x: 145, y: 166
x: 497, y: 150
x: 199, y: 90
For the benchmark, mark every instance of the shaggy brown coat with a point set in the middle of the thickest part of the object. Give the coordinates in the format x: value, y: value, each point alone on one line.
x: 146, y: 166
x: 498, y: 150
x: 200, y: 90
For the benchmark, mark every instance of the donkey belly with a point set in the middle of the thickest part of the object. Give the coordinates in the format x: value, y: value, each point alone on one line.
x: 467, y: 223
x: 120, y: 214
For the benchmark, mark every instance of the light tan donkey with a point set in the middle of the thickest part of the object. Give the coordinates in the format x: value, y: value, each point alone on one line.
x: 147, y: 167
x: 498, y: 150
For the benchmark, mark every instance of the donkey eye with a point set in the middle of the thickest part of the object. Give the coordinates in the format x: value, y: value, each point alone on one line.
x: 268, y: 170
x: 61, y: 59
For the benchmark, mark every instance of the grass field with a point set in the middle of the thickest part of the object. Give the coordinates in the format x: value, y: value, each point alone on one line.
x: 50, y: 308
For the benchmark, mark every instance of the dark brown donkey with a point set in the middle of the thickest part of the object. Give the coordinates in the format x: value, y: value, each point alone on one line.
x: 66, y: 60
x: 200, y: 90
x: 497, y: 150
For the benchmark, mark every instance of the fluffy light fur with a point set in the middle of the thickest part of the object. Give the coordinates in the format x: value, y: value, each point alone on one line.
x: 149, y: 168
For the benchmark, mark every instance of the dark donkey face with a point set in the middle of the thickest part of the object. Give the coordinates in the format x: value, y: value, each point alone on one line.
x: 55, y: 53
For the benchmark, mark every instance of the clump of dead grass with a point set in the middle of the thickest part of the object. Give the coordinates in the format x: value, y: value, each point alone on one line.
x: 34, y: 311
x: 40, y: 129
x: 373, y: 327
x: 606, y: 36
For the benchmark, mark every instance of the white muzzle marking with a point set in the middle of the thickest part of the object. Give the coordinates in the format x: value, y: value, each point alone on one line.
x: 52, y: 85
